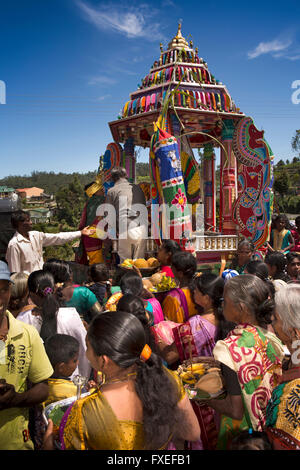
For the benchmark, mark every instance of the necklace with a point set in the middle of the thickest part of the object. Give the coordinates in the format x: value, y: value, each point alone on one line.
x: 109, y: 381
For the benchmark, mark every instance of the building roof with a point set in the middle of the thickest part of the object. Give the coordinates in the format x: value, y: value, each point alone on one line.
x: 27, y: 189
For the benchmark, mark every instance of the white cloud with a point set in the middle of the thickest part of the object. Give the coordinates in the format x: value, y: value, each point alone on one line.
x: 103, y: 97
x: 101, y: 80
x: 295, y: 57
x: 272, y: 47
x: 130, y: 21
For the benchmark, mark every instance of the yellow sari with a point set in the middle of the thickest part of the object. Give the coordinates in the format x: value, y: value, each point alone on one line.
x: 91, y: 424
x: 178, y: 305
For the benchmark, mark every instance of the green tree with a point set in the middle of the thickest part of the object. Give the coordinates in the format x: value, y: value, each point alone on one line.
x: 70, y: 202
x: 296, y: 142
x: 281, y: 183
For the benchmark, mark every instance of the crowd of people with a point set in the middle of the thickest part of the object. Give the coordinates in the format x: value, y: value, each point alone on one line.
x: 128, y: 344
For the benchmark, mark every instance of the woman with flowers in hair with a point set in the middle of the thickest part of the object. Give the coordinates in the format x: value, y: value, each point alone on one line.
x: 52, y: 318
x: 140, y: 404
x: 250, y: 357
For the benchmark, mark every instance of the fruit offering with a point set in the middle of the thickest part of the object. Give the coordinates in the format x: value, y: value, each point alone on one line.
x: 166, y: 283
x: 153, y: 263
x: 141, y: 263
x: 127, y: 263
x: 192, y: 373
x: 202, y: 380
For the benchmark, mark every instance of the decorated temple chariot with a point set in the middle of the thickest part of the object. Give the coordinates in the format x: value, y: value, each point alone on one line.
x: 178, y: 111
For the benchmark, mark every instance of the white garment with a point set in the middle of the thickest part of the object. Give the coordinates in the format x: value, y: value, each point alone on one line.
x: 68, y: 323
x: 134, y: 245
x: 26, y: 256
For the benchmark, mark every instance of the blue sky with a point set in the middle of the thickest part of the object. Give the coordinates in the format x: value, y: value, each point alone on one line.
x: 70, y: 65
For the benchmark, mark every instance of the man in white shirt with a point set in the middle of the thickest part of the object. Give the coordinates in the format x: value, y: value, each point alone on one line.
x: 25, y: 249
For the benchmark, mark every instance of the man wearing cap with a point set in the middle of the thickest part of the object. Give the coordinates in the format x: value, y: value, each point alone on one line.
x: 25, y: 249
x: 22, y: 359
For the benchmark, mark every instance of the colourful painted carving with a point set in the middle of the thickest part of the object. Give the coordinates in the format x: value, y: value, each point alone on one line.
x: 168, y: 188
x: 111, y: 159
x: 252, y: 210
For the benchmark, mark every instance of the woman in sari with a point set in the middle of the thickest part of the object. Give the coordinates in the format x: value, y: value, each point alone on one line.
x: 250, y: 357
x: 283, y: 410
x: 141, y: 405
x: 178, y: 305
x: 197, y: 337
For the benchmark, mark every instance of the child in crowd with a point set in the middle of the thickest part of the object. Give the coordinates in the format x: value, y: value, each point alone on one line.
x: 293, y: 266
x: 99, y: 275
x: 281, y: 238
x: 63, y: 352
x: 276, y: 263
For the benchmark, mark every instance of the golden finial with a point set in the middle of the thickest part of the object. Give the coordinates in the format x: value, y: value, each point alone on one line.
x: 178, y: 40
x: 161, y: 47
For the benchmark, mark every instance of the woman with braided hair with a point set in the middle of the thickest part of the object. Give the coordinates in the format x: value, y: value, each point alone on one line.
x: 141, y: 404
x: 53, y: 318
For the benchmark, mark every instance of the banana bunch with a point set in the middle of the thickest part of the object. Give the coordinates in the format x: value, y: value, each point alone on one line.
x: 166, y: 283
x: 127, y: 263
x: 192, y: 373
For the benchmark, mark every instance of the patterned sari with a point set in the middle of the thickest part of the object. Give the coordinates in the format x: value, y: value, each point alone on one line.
x: 255, y: 354
x: 283, y: 412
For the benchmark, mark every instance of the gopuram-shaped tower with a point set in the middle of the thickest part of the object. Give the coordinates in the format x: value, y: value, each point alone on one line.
x: 202, y: 103
x: 202, y: 112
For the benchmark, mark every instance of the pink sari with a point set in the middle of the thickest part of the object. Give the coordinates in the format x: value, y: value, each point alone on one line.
x: 157, y: 310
